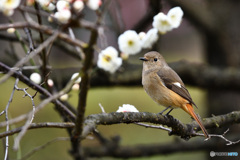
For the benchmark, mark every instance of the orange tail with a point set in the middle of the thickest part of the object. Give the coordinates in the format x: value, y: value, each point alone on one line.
x: 189, y: 110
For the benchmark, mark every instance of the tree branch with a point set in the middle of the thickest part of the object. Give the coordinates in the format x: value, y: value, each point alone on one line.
x: 178, y: 128
x: 45, y: 29
x: 39, y: 125
x: 154, y: 149
x: 5, y: 69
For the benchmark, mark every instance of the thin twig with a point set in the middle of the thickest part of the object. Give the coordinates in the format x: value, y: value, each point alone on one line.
x: 61, y: 125
x: 7, y: 120
x: 78, y: 49
x: 31, y: 55
x: 46, y: 30
x: 153, y: 126
x: 24, y: 46
x: 224, y: 138
x: 2, y: 112
x: 102, y: 108
x: 30, y: 40
x: 38, y: 108
x: 31, y: 97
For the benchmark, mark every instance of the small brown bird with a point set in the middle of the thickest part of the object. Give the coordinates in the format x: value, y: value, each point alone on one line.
x: 165, y: 87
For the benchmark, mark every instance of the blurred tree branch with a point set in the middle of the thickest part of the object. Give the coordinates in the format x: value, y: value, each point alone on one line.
x: 199, y: 14
x: 45, y: 29
x: 199, y: 75
x: 147, y: 150
x: 154, y: 9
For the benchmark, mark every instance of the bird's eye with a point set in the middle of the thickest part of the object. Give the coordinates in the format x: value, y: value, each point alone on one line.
x: 155, y: 59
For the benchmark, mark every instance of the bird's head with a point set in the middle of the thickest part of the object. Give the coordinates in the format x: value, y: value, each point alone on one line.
x: 152, y: 60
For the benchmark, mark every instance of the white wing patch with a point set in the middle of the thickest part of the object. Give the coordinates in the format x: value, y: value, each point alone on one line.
x: 177, y: 84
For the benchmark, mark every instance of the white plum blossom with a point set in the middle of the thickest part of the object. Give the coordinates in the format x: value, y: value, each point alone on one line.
x: 36, y: 78
x: 141, y: 35
x: 74, y: 76
x: 162, y: 22
x: 51, y: 7
x: 127, y: 108
x: 75, y: 87
x: 150, y: 38
x: 175, y: 14
x: 165, y: 23
x: 63, y: 5
x: 8, y: 6
x: 64, y: 97
x: 8, y: 12
x: 11, y: 30
x: 78, y: 5
x: 108, y: 60
x: 50, y: 82
x: 129, y: 42
x: 46, y: 4
x: 43, y: 3
x: 63, y: 14
x: 94, y: 4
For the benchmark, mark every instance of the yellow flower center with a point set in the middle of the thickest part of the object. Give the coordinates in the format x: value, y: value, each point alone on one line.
x: 164, y: 23
x: 107, y: 58
x: 130, y: 42
x: 9, y: 2
x: 173, y: 17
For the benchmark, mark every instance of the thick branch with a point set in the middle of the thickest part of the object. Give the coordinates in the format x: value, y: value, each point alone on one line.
x: 85, y: 82
x: 178, y: 128
x: 85, y: 74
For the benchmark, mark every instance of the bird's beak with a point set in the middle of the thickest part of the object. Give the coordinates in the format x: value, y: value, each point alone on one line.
x: 143, y: 59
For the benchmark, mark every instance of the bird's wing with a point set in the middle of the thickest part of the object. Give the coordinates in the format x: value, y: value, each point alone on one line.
x: 173, y: 82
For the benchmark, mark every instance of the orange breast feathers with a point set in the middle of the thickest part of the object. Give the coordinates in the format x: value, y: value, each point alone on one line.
x: 161, y: 94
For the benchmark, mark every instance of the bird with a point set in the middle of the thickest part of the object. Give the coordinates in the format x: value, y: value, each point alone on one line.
x: 165, y: 87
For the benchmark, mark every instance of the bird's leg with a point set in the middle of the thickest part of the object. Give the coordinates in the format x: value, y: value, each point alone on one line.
x: 169, y: 111
x: 165, y: 110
